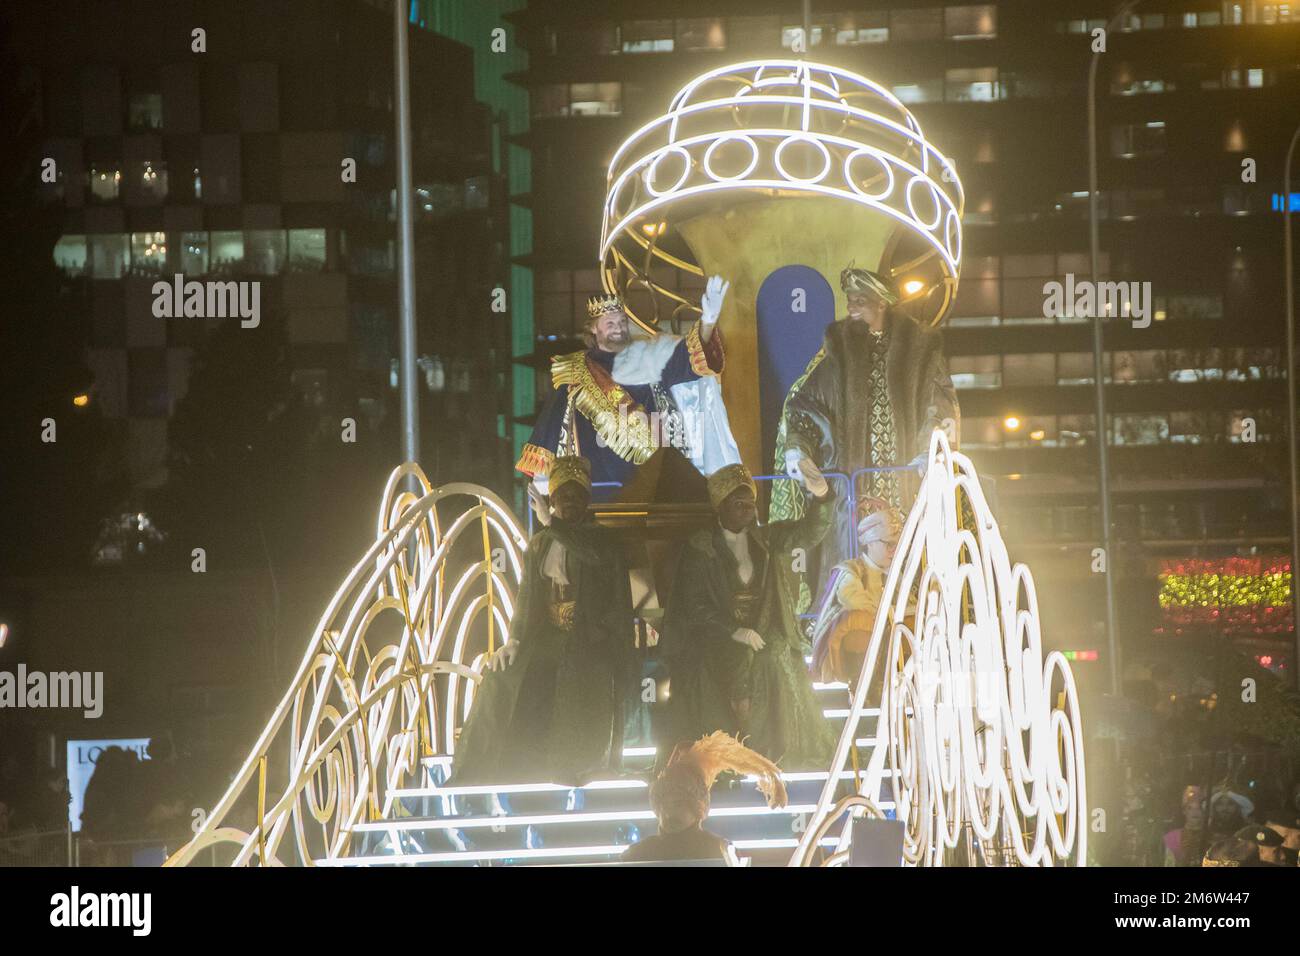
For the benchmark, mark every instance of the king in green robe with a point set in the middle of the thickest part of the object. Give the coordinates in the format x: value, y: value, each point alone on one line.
x: 731, y: 638
x: 549, y: 710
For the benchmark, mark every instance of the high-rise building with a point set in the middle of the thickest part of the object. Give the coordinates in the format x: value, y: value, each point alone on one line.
x: 1196, y: 102
x: 255, y: 141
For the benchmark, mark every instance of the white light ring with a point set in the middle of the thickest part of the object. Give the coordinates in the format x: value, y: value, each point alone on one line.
x: 756, y: 184
x: 624, y: 196
x: 723, y: 140
x: 935, y: 194
x: 884, y: 165
x: 647, y: 177
x: 830, y: 139
x: 803, y: 180
x: 952, y: 235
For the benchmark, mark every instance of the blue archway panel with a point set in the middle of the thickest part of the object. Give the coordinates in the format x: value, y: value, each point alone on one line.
x: 787, y: 339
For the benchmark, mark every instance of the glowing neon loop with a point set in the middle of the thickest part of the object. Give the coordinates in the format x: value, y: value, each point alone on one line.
x: 884, y: 166
x: 723, y: 140
x: 938, y: 206
x: 796, y: 138
x: 653, y: 168
x: 971, y: 732
x: 335, y: 768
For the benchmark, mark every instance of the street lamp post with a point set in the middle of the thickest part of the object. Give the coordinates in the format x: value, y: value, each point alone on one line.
x: 405, y: 233
x: 1098, y: 366
x: 1288, y: 268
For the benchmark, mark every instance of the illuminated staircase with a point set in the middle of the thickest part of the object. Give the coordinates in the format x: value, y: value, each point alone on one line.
x: 531, y: 824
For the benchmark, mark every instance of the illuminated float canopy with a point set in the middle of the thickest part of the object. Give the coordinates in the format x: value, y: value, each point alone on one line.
x: 782, y: 129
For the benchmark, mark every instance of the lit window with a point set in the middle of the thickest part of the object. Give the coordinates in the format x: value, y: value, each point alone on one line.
x: 1140, y: 429
x: 264, y: 251
x: 148, y: 185
x: 227, y: 253
x: 704, y: 33
x: 927, y: 91
x: 109, y: 256
x: 971, y: 23
x: 972, y: 85
x: 105, y: 183
x: 595, y: 99
x: 976, y: 371
x: 194, y: 253
x: 148, y: 253
x: 854, y: 29
x: 648, y: 36
x: 306, y: 250
x: 70, y: 255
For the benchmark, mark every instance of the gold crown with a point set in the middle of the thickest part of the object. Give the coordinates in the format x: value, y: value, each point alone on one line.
x: 598, y: 305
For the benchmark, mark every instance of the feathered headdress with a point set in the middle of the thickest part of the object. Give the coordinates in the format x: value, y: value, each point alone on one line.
x: 692, y: 769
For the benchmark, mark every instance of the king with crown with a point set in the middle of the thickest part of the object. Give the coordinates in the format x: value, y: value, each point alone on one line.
x: 625, y: 397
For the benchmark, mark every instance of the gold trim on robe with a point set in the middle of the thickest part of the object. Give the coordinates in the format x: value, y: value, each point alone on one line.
x: 622, y: 425
x: 534, y: 460
x: 697, y: 350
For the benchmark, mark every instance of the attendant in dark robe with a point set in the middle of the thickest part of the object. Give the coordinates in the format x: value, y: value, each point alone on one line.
x: 679, y: 797
x: 550, y: 708
x: 870, y: 398
x: 734, y: 648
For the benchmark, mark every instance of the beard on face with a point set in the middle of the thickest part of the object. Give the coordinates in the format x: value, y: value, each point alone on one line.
x: 618, y: 335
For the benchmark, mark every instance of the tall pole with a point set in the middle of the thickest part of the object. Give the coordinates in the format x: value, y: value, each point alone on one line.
x: 405, y: 233
x: 1288, y: 268
x: 1098, y: 371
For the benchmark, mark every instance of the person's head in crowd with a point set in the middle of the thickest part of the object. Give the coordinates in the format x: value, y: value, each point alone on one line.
x: 1268, y: 845
x: 1229, y: 811
x: 1231, y: 851
x: 1287, y: 826
x: 679, y: 795
x: 1193, y: 806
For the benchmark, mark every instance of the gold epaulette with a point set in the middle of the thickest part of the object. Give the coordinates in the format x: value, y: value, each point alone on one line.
x: 564, y: 368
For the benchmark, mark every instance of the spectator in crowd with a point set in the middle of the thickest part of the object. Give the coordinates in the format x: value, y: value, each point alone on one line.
x: 1186, y: 845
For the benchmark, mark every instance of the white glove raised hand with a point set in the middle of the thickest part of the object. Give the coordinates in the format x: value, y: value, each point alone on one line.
x: 537, y: 500
x: 711, y: 302
x: 792, y: 459
x: 812, y: 478
x: 749, y: 637
x: 504, y: 657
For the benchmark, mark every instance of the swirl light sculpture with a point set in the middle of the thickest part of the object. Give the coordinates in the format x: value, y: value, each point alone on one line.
x: 980, y: 731
x: 778, y: 128
x: 384, y: 681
